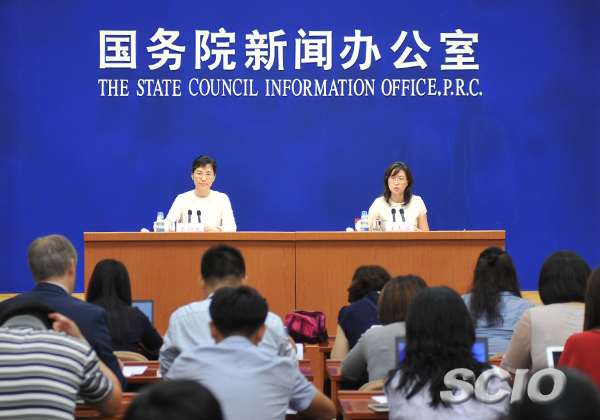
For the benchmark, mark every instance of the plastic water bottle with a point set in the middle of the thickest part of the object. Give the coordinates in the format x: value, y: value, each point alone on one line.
x: 364, y: 222
x: 160, y: 222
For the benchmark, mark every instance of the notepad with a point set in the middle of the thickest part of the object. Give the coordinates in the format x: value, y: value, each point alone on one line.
x: 133, y: 370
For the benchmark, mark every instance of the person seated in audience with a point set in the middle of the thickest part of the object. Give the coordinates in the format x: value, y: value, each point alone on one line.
x: 177, y: 400
x: 582, y: 350
x: 249, y: 382
x: 47, y: 363
x: 375, y: 352
x: 439, y: 338
x: 561, y: 285
x: 580, y: 400
x: 354, y: 320
x: 52, y: 261
x: 221, y: 266
x: 494, y: 299
x: 130, y: 328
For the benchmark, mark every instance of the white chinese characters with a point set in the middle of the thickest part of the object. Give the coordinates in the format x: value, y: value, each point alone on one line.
x: 117, y: 49
x: 266, y: 50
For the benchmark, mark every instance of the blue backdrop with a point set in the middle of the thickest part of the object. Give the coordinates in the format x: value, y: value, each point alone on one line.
x: 519, y: 152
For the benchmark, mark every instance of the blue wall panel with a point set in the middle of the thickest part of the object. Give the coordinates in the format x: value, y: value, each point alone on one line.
x: 523, y: 156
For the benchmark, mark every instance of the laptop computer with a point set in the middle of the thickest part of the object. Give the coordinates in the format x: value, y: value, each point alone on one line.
x: 146, y: 306
x: 479, y: 349
x: 553, y: 354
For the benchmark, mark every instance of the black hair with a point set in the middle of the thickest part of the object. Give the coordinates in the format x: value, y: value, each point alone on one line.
x: 494, y: 273
x: 110, y: 288
x: 563, y: 278
x: 222, y: 263
x: 202, y: 161
x: 367, y: 279
x: 592, y: 301
x: 392, y: 170
x: 580, y: 400
x: 439, y: 337
x: 29, y: 307
x: 240, y: 310
x: 177, y: 399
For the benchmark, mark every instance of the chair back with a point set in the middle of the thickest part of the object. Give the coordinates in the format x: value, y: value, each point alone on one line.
x: 129, y: 356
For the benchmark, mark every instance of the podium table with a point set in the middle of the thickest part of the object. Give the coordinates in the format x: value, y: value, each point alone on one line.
x: 292, y: 270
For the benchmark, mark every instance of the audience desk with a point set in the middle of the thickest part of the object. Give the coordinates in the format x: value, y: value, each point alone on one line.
x: 151, y: 374
x: 355, y: 405
x: 292, y: 270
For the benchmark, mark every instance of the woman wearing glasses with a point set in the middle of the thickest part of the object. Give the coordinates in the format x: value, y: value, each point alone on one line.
x: 397, y: 200
x: 203, y: 204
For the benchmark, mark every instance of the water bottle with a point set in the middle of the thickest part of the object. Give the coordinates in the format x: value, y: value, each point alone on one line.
x: 364, y: 222
x: 160, y: 222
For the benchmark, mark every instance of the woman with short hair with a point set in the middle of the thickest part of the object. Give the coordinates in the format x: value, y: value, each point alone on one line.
x: 581, y: 350
x: 561, y: 285
x: 375, y: 352
x: 354, y: 320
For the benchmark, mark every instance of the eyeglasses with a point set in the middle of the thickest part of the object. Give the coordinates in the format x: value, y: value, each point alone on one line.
x: 207, y: 175
x: 398, y: 179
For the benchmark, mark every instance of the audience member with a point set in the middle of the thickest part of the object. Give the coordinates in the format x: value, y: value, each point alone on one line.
x: 130, y: 328
x: 494, y: 299
x: 375, y: 352
x: 354, y: 320
x: 561, y: 285
x: 177, y: 400
x: 249, y: 382
x: 581, y: 351
x: 221, y: 266
x: 52, y: 261
x: 439, y: 338
x: 580, y: 401
x: 47, y: 363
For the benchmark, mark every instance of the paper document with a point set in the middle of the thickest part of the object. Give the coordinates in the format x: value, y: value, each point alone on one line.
x: 381, y: 399
x: 133, y: 370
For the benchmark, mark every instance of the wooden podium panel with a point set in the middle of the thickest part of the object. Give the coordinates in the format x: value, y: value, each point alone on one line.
x: 165, y: 267
x: 326, y: 261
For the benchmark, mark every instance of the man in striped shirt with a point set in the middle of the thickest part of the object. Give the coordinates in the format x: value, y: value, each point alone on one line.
x: 46, y: 363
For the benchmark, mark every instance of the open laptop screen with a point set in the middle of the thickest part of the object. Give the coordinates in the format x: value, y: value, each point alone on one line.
x: 146, y: 306
x: 480, y: 349
x: 553, y: 354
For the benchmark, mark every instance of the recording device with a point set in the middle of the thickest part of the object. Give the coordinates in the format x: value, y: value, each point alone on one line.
x: 402, y: 214
x: 189, y: 216
x: 198, y: 213
x: 394, y: 215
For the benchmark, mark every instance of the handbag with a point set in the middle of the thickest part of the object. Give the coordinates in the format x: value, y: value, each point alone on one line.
x: 307, y: 327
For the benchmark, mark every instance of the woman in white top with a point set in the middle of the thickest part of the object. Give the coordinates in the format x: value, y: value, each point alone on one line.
x: 562, y: 284
x: 397, y: 195
x: 203, y: 204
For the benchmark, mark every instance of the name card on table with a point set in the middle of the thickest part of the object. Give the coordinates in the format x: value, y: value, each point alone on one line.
x: 190, y: 227
x: 399, y: 227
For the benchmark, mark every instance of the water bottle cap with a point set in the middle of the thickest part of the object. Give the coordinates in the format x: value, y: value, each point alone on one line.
x: 161, y: 216
x: 364, y: 213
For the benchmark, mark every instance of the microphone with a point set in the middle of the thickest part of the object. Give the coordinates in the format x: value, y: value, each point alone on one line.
x: 189, y: 216
x: 402, y: 214
x: 198, y: 213
x: 394, y: 215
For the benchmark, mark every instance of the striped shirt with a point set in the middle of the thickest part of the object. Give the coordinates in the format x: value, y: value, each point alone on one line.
x: 42, y: 372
